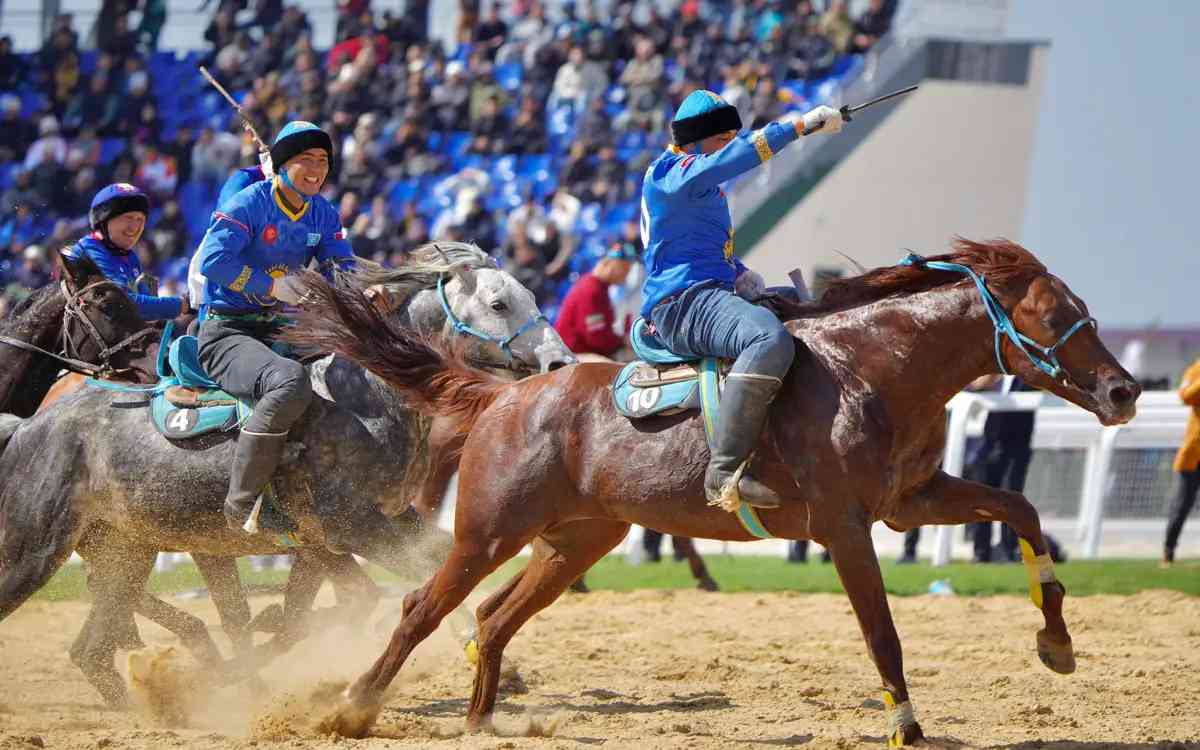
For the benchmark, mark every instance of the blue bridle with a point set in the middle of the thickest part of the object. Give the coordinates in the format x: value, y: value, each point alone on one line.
x: 1048, y: 361
x: 466, y: 330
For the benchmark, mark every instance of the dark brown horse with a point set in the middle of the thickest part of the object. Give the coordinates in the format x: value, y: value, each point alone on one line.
x: 855, y: 438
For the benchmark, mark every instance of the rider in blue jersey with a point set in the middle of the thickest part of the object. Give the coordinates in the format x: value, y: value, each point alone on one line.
x: 257, y: 238
x: 697, y: 294
x: 118, y: 217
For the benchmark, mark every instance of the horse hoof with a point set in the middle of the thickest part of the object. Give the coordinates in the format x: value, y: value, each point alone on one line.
x: 1059, y: 657
x: 708, y: 584
x: 351, y: 718
x: 907, y: 736
x: 481, y: 724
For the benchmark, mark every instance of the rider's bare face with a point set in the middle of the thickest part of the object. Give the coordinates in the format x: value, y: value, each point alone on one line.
x: 715, y: 143
x: 124, y: 230
x: 308, y: 170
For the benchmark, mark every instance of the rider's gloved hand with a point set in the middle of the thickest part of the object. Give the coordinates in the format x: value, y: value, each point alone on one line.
x: 288, y: 290
x: 828, y: 119
x: 749, y: 285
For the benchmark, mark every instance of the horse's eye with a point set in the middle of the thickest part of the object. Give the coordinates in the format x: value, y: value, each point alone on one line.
x: 499, y: 306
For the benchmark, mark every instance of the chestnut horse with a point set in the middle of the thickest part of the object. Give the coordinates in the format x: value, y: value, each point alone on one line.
x: 855, y: 437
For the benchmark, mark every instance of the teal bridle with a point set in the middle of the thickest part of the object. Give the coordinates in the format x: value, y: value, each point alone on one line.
x: 462, y: 328
x: 1047, y: 359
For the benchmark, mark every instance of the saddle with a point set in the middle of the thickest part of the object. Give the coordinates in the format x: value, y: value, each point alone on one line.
x: 660, y: 382
x: 187, y: 403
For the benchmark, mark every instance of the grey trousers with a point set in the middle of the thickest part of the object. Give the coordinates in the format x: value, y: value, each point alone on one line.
x: 235, y: 355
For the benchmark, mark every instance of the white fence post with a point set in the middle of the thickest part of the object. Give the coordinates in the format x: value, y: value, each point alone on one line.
x: 961, y: 408
x: 1094, y: 488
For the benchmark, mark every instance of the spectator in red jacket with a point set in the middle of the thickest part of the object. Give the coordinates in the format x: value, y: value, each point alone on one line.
x: 586, y: 318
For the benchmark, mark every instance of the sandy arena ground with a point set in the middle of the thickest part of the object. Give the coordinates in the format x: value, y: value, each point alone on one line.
x: 682, y: 669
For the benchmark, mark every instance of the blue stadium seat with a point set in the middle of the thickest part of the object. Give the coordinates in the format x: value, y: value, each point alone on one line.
x: 455, y: 143
x: 111, y: 148
x: 509, y: 76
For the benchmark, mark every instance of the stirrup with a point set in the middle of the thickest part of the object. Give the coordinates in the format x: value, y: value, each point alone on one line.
x: 729, y: 499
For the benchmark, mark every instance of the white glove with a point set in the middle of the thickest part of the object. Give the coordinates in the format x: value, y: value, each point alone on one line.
x: 827, y: 118
x: 749, y: 285
x: 288, y: 290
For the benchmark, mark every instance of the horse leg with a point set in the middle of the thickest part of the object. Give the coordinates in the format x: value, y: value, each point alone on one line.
x: 357, y: 595
x: 858, y: 568
x: 471, y: 560
x: 949, y: 500
x: 686, y: 548
x: 118, y: 580
x: 190, y: 630
x: 560, y: 555
x: 228, y: 596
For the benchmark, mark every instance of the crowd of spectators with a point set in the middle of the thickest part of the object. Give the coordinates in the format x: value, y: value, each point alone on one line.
x: 528, y: 135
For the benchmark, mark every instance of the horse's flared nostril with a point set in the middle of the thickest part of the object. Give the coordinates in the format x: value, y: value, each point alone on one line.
x: 556, y: 365
x: 1121, y: 395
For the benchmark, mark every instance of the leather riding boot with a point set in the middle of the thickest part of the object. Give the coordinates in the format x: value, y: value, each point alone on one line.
x: 257, y: 456
x: 745, y: 403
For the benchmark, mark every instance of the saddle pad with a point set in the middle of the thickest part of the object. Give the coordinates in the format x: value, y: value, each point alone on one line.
x: 638, y: 394
x: 182, y: 423
x: 647, y: 347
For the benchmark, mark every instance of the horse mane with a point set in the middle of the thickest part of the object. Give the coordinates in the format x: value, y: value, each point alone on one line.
x: 41, y: 310
x: 1002, y: 262
x: 421, y: 268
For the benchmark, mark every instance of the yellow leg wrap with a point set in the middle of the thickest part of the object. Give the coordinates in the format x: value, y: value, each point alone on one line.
x: 472, y: 651
x: 1039, y: 568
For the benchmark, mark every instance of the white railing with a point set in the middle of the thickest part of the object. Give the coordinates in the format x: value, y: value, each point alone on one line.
x: 1159, y: 425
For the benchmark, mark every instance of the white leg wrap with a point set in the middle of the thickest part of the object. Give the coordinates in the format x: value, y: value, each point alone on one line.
x: 1045, y: 568
x: 901, y: 716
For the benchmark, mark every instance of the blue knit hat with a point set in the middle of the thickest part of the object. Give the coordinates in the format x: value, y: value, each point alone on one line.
x: 297, y: 137
x: 701, y: 115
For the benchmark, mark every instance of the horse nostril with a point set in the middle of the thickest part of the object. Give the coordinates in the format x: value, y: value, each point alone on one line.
x: 556, y: 365
x: 1120, y: 395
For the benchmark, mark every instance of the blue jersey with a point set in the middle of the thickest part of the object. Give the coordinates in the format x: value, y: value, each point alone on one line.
x: 686, y: 226
x: 124, y: 268
x: 254, y: 239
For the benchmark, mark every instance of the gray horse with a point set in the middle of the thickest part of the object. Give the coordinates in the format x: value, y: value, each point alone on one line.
x: 94, y: 461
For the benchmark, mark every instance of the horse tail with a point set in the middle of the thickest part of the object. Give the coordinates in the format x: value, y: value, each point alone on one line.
x: 39, y: 525
x: 341, y: 320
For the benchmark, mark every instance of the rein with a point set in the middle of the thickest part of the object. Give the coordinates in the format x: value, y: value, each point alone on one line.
x: 74, y: 365
x: 1047, y: 361
x: 466, y: 330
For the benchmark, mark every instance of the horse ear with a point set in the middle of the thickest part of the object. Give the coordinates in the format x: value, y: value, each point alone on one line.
x: 72, y: 269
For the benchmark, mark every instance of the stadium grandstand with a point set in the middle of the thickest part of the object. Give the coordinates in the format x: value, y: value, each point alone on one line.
x: 531, y: 119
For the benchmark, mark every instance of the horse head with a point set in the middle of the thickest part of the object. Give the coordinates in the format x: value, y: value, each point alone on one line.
x: 456, y: 290
x: 1059, y: 350
x: 101, y: 323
